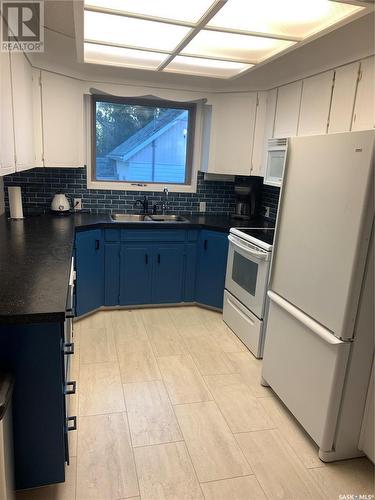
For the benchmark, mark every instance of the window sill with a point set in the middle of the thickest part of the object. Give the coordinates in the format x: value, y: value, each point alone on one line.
x: 134, y: 186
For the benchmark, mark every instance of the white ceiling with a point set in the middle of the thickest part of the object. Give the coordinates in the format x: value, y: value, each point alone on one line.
x: 345, y: 44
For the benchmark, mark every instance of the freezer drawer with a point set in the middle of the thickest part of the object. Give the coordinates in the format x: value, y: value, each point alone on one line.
x: 305, y: 365
x: 244, y: 324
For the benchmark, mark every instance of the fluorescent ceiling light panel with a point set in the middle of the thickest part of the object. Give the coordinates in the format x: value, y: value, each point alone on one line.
x: 233, y: 46
x: 189, y: 11
x: 120, y: 30
x: 118, y: 56
x: 205, y: 67
x: 296, y: 18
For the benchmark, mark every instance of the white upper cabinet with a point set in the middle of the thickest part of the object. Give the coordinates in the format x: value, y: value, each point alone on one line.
x: 37, y: 110
x: 265, y: 119
x: 287, y: 110
x: 364, y: 108
x: 231, y: 123
x: 62, y: 114
x: 7, y: 156
x: 343, y: 98
x: 315, y: 103
x: 259, y: 134
x: 22, y: 83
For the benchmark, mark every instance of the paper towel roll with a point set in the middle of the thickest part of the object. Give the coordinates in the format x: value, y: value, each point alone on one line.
x: 15, y: 202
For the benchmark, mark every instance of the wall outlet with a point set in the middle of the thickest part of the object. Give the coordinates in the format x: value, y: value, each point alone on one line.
x: 202, y: 206
x: 267, y: 212
x: 77, y: 203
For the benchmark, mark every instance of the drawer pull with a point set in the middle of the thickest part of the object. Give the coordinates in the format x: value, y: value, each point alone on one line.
x: 74, y: 426
x: 73, y: 385
x: 68, y: 348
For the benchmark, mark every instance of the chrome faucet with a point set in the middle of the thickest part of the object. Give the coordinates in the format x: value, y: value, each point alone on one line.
x: 164, y: 205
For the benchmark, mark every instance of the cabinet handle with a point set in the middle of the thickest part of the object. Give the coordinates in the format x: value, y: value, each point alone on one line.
x: 158, y: 258
x: 68, y: 348
x: 74, y: 426
x: 146, y: 258
x: 73, y: 385
x: 205, y: 244
x: 97, y: 244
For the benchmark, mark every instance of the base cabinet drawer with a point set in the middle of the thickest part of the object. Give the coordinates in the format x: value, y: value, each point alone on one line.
x: 246, y: 326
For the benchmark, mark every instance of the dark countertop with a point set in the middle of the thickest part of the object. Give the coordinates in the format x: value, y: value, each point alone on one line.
x: 35, y: 259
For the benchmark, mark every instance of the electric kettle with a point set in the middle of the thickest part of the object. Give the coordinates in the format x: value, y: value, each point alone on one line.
x: 60, y: 204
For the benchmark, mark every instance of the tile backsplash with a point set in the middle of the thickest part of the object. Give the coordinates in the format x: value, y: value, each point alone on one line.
x: 40, y: 184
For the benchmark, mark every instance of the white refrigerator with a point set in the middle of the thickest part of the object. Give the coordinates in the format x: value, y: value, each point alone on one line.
x: 319, y: 340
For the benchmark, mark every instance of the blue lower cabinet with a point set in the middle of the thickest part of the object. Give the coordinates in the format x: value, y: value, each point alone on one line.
x: 190, y: 272
x: 136, y: 263
x: 187, y: 266
x: 33, y: 354
x: 90, y: 270
x: 111, y: 273
x: 167, y: 279
x: 212, y: 261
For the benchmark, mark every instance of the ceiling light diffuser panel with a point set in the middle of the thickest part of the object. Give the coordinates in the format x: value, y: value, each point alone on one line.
x: 206, y: 67
x: 212, y: 38
x: 118, y: 56
x: 121, y: 30
x: 243, y: 48
x: 190, y: 11
x: 295, y: 18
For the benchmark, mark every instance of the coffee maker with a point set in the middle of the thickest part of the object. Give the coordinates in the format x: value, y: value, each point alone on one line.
x: 248, y: 194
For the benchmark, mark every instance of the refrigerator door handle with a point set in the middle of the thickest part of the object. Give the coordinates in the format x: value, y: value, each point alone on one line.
x: 312, y: 325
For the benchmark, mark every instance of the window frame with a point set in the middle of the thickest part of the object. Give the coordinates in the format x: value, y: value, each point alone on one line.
x: 191, y: 149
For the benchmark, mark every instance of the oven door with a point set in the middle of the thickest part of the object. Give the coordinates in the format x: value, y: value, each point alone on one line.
x: 247, y: 274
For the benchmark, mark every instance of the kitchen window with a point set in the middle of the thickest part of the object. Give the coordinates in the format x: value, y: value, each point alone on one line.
x: 142, y: 143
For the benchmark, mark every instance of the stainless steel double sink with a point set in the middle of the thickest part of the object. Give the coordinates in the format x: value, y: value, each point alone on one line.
x: 148, y: 218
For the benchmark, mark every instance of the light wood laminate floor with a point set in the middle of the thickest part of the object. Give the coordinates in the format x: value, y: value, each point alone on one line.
x: 170, y: 407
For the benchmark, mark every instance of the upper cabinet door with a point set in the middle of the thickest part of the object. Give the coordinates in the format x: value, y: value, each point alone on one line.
x: 259, y: 135
x: 63, y: 130
x: 37, y: 112
x: 22, y: 84
x: 343, y: 98
x: 364, y: 114
x: 265, y: 121
x: 287, y: 110
x: 7, y: 157
x: 232, y: 132
x: 315, y: 103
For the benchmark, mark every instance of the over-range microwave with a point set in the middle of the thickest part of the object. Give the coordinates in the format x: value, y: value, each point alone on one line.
x: 276, y: 158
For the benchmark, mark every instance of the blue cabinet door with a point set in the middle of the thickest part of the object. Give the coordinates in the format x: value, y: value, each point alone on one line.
x: 90, y: 270
x: 190, y: 271
x: 168, y: 266
x: 135, y: 273
x: 111, y: 273
x: 212, y: 262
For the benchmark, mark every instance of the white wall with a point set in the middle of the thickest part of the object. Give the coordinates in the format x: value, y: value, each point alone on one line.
x: 1, y: 196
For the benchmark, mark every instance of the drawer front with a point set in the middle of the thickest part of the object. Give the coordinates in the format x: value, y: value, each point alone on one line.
x: 112, y: 235
x: 153, y: 235
x: 244, y: 324
x: 192, y: 235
